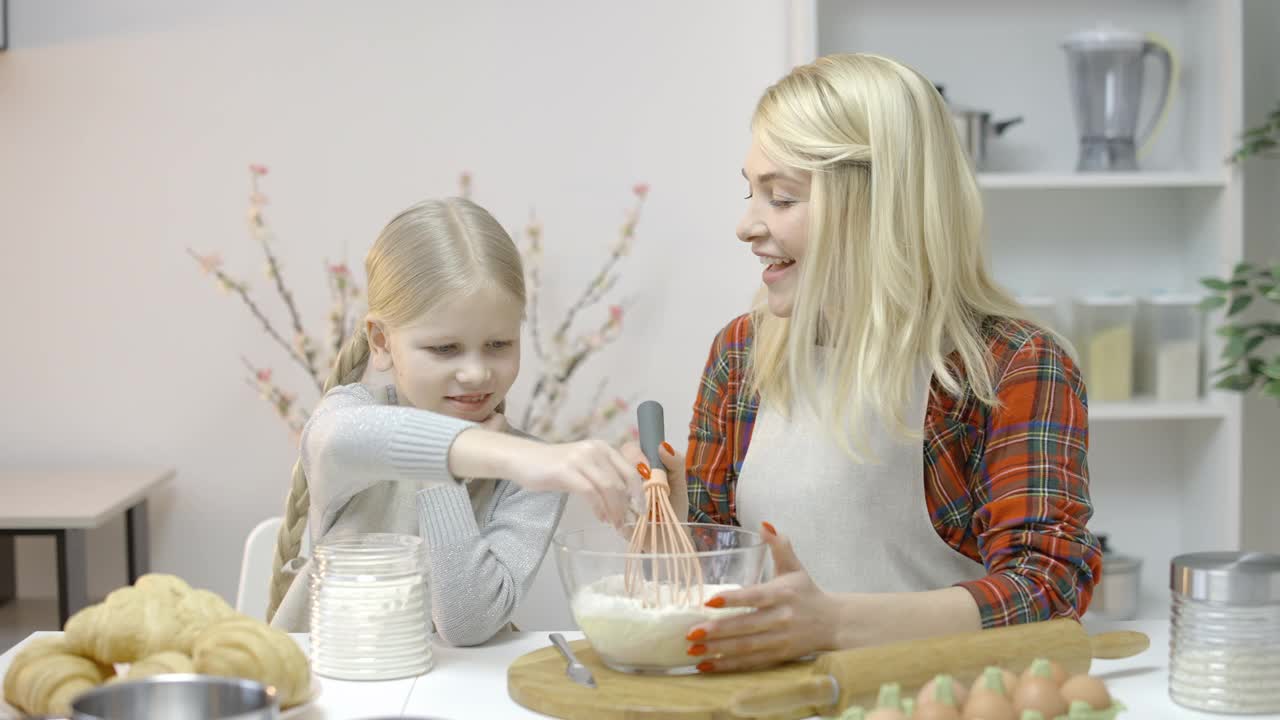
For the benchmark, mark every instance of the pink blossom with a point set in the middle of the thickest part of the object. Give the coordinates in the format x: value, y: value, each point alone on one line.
x: 264, y: 375
x: 210, y: 262
x: 340, y: 269
x: 640, y: 189
x: 620, y: 404
x: 257, y: 169
x: 615, y: 314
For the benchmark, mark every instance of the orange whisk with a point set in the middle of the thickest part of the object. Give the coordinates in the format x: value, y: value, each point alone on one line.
x: 674, y: 574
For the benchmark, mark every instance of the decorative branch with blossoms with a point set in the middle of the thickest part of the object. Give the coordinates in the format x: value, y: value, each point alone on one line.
x: 566, y: 351
x: 560, y: 355
x: 302, y: 349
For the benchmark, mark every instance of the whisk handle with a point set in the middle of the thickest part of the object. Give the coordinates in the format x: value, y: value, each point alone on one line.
x: 652, y: 428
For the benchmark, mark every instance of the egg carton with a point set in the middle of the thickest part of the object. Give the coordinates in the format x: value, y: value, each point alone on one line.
x: 1000, y: 687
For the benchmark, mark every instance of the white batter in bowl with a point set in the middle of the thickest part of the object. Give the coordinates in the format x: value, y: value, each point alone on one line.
x: 630, y: 637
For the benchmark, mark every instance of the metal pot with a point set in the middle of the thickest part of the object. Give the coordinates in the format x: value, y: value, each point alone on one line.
x: 975, y: 127
x: 1117, y: 594
x: 191, y: 697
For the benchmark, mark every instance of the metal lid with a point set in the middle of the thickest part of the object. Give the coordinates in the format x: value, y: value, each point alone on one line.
x: 1113, y: 562
x: 1104, y: 36
x: 1111, y: 299
x: 1173, y: 298
x: 1231, y: 578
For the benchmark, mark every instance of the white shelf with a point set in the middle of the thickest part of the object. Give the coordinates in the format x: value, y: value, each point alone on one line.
x: 1150, y: 409
x: 1073, y: 180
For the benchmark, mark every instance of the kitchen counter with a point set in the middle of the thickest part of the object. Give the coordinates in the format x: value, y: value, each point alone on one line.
x: 471, y: 683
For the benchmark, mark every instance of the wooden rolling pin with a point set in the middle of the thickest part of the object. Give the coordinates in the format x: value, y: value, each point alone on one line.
x: 853, y: 677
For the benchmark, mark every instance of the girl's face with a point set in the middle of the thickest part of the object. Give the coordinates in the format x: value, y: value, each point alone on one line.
x: 460, y: 358
x: 776, y: 223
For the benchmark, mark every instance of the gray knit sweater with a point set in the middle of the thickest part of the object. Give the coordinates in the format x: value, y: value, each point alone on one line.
x: 376, y: 466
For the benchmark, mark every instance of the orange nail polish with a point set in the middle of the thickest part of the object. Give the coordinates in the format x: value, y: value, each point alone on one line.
x: 667, y: 446
x: 769, y: 528
x: 715, y: 602
x: 644, y: 470
x: 705, y: 666
x: 696, y: 635
x: 696, y: 650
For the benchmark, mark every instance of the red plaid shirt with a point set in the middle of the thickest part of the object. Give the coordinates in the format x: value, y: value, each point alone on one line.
x: 1007, y: 486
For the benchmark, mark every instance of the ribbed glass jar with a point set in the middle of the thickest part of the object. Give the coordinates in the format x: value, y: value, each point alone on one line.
x: 1224, y: 649
x: 370, y: 616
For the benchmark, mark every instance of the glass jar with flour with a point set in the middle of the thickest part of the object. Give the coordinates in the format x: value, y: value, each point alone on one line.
x: 1169, y: 341
x: 1104, y: 338
x: 1224, y: 649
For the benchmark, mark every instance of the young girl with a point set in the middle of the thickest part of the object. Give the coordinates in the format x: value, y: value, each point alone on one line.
x: 429, y: 453
x: 886, y: 405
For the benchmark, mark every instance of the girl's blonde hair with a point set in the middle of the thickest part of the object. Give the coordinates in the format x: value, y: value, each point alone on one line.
x: 894, y: 273
x: 434, y: 250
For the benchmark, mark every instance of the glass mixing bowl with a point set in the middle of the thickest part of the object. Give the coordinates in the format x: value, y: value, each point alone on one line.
x: 630, y: 637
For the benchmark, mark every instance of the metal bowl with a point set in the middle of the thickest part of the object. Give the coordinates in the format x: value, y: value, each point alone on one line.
x: 191, y: 697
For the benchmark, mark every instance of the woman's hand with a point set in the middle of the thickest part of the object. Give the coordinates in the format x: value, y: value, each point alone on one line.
x: 793, y: 618
x: 673, y: 474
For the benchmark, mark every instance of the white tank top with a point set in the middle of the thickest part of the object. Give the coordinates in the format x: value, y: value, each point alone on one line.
x: 857, y: 527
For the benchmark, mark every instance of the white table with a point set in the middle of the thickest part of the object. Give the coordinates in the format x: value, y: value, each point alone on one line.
x: 471, y: 683
x: 66, y: 504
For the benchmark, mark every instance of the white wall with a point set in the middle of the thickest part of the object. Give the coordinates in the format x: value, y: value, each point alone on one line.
x: 125, y: 130
x: 1261, y: 426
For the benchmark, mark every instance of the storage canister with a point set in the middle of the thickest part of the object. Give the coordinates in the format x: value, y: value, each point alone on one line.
x: 1224, y: 648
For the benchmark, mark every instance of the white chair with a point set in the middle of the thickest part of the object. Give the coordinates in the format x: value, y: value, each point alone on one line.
x: 255, y: 568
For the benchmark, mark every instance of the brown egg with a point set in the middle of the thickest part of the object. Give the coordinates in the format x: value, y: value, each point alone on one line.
x: 887, y: 714
x: 1040, y: 694
x: 987, y: 704
x: 1055, y: 671
x: 1008, y: 679
x: 1087, y: 689
x: 935, y: 711
x: 929, y: 693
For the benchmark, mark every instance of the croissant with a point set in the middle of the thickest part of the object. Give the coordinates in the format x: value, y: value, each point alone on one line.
x: 158, y: 664
x: 163, y: 587
x: 45, y: 677
x: 196, y: 611
x: 128, y: 625
x: 248, y: 648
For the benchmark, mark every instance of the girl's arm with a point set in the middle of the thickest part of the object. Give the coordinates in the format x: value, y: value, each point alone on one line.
x: 352, y: 441
x: 480, y: 575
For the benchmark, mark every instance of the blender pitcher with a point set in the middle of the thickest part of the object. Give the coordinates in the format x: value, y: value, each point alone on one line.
x: 1106, y: 68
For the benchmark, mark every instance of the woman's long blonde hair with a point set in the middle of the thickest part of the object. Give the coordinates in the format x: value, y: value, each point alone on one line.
x: 434, y: 250
x: 894, y: 274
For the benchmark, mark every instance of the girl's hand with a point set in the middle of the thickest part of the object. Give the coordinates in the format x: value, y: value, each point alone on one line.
x: 793, y: 618
x: 673, y: 474
x: 589, y: 468
x: 497, y: 422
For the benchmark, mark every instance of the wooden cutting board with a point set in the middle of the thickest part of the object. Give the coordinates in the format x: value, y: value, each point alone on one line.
x: 538, y: 681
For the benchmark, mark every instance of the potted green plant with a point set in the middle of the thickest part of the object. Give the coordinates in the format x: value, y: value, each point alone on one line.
x: 1251, y: 355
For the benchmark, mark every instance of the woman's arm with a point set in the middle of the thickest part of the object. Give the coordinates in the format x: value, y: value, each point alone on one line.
x: 1031, y: 493
x: 710, y: 458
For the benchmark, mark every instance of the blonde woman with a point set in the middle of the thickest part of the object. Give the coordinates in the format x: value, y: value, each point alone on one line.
x: 429, y: 452
x: 885, y: 405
